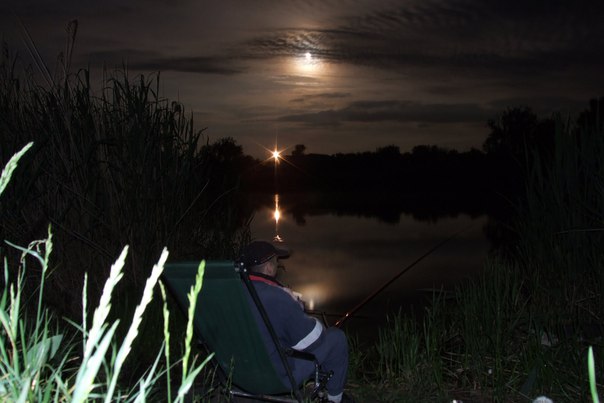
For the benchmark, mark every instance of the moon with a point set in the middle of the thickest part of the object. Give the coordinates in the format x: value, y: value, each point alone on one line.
x: 308, y: 63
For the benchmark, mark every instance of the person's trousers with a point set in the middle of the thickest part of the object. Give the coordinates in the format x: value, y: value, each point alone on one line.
x: 331, y: 350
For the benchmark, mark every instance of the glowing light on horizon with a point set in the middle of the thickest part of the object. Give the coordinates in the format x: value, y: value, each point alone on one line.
x: 276, y: 155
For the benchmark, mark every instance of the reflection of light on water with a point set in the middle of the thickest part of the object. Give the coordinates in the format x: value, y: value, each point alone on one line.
x: 313, y: 295
x: 277, y: 217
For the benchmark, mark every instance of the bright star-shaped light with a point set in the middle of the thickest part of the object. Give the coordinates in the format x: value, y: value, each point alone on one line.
x: 276, y: 154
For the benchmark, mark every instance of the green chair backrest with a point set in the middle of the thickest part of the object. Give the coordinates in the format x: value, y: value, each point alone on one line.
x: 224, y: 322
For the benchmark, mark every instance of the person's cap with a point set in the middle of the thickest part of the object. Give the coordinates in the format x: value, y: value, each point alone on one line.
x: 258, y: 252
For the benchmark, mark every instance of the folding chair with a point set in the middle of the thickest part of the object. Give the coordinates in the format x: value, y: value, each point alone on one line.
x: 224, y: 323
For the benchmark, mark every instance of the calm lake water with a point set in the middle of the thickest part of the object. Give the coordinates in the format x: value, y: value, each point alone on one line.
x: 340, y: 259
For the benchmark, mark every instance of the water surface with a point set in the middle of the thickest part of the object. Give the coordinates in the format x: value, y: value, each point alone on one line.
x: 340, y: 259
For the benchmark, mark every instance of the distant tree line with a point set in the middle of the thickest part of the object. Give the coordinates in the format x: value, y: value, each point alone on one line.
x: 424, y: 169
x: 515, y: 136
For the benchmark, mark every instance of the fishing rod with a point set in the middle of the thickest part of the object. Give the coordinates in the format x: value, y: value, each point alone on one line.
x: 323, y: 315
x: 371, y: 296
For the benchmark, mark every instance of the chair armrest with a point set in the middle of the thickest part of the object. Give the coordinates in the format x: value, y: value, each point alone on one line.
x: 300, y: 354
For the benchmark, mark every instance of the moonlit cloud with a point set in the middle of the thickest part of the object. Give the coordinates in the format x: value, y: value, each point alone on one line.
x: 381, y: 111
x: 326, y: 95
x: 153, y: 61
x: 201, y: 65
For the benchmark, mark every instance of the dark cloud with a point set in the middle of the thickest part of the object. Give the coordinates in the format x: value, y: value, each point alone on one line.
x: 393, y: 111
x: 152, y: 61
x: 324, y: 95
x: 204, y: 65
x: 34, y: 11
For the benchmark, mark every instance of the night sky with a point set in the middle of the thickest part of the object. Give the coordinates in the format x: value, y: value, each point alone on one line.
x: 337, y: 76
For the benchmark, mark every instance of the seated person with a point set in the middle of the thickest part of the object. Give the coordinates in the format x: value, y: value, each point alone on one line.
x: 293, y: 326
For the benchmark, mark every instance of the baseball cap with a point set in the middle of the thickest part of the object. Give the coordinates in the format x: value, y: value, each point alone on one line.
x: 258, y: 252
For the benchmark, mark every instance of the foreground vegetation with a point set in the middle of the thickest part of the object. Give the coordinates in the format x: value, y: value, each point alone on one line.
x: 524, y: 327
x: 41, y: 362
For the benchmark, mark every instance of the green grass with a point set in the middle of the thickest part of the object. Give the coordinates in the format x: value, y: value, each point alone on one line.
x: 40, y: 363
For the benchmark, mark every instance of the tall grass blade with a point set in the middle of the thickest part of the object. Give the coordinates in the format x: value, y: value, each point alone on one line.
x: 166, y: 316
x: 83, y: 328
x: 193, y: 293
x: 98, y: 338
x: 136, y: 321
x: 187, y: 382
x: 102, y: 311
x: 10, y: 167
x: 86, y: 375
x: 592, y: 375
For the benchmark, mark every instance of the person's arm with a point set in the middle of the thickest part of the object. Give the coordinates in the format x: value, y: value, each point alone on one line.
x: 302, y: 330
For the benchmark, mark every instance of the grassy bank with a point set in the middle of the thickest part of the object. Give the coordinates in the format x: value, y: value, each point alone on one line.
x: 524, y: 327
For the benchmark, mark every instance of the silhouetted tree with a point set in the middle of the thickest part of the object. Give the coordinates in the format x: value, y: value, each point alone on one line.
x: 592, y: 118
x: 516, y: 130
x: 510, y: 132
x: 388, y: 151
x: 225, y: 161
x: 224, y: 150
x: 298, y: 150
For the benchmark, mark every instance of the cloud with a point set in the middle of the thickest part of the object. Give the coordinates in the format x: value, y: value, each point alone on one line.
x: 393, y: 111
x: 193, y: 64
x: 492, y: 39
x: 324, y: 95
x: 153, y: 61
